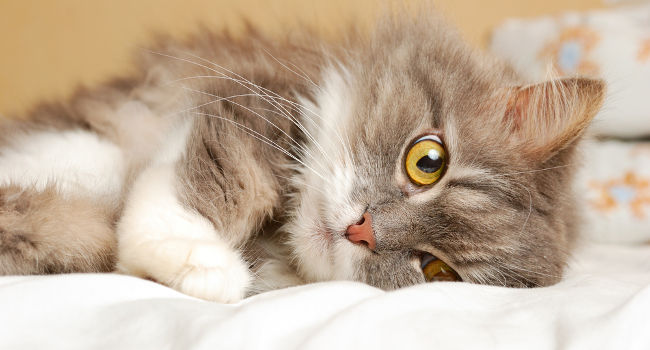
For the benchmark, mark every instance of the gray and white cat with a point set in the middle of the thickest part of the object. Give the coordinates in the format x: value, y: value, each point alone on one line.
x: 226, y: 166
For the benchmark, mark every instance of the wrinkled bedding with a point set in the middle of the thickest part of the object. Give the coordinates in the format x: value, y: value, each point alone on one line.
x: 603, y: 303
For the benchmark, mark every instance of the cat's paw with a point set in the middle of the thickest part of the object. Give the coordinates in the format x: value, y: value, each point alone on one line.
x: 213, y: 272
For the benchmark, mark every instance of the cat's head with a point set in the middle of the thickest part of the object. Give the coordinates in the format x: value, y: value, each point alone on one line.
x: 422, y: 148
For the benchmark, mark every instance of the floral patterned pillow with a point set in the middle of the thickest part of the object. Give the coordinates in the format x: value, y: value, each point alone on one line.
x: 614, y: 45
x: 615, y: 183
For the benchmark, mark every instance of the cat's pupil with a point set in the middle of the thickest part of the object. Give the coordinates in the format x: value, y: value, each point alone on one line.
x: 430, y: 163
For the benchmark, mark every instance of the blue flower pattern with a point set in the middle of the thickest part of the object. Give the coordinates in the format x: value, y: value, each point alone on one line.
x: 569, y: 56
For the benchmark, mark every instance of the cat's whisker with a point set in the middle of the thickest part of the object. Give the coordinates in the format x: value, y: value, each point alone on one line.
x: 296, y: 122
x: 513, y: 265
x: 472, y: 163
x: 265, y: 140
x: 264, y: 96
x: 283, y: 111
x: 244, y: 84
x: 209, y: 103
x: 521, y: 279
x: 516, y: 267
x: 257, y: 277
x: 536, y: 170
x: 530, y: 205
x: 241, y: 81
x: 514, y: 275
x: 244, y: 80
x: 302, y: 149
x: 478, y: 277
x: 505, y: 280
x: 291, y: 70
x: 331, y: 128
x: 219, y: 98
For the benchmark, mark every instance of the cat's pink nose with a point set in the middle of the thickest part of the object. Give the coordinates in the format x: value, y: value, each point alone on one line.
x: 361, y: 232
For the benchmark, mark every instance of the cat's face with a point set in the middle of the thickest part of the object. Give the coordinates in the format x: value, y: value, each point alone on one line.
x: 496, y: 206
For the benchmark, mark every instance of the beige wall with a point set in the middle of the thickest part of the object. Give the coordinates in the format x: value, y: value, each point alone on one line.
x: 49, y: 46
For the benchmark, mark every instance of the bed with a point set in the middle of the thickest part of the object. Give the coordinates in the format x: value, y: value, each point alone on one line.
x: 603, y: 303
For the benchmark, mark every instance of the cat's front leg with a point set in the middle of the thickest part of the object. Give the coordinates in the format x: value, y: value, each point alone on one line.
x: 161, y: 239
x: 205, y: 193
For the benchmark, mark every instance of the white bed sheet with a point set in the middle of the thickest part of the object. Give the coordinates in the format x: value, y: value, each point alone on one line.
x: 603, y: 303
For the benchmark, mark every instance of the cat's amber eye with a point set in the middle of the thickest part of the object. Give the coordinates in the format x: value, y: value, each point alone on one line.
x: 435, y: 269
x: 426, y: 160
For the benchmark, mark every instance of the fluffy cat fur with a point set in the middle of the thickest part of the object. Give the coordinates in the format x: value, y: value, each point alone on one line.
x: 231, y: 165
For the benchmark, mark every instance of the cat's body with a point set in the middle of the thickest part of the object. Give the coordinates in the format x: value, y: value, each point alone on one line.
x: 219, y: 148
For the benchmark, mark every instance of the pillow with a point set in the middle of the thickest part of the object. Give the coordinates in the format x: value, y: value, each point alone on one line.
x: 611, y: 44
x: 614, y: 187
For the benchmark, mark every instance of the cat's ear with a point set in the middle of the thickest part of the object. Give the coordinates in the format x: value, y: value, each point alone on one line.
x: 545, y: 118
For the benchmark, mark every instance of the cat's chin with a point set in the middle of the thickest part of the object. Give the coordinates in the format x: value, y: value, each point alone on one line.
x: 326, y: 235
x: 313, y: 247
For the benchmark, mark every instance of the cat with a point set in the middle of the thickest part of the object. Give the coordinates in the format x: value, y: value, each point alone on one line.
x: 228, y: 165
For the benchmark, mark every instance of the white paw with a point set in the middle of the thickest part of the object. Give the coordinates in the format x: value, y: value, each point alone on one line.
x: 213, y: 272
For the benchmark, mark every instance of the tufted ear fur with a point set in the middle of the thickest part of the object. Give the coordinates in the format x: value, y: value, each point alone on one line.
x: 548, y: 117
